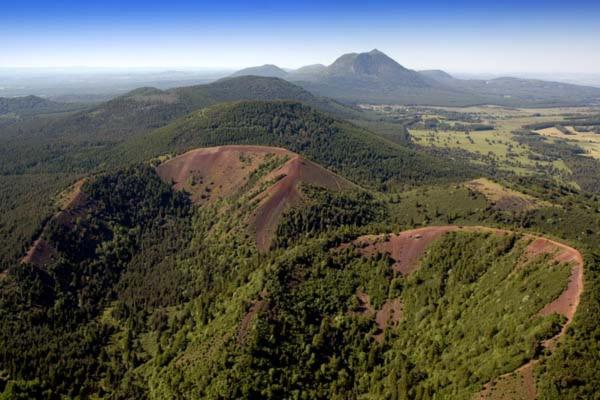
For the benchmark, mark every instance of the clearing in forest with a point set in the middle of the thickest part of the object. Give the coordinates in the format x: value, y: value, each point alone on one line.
x: 503, y: 198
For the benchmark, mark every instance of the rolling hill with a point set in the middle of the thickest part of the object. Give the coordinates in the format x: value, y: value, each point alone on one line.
x: 353, y: 152
x: 32, y: 105
x: 79, y: 140
x: 241, y: 240
x: 148, y: 108
x: 143, y: 285
x: 211, y: 266
x: 267, y: 70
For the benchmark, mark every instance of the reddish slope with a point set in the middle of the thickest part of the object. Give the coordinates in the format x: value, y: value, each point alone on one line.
x: 216, y: 172
x: 72, y: 206
x: 286, y: 193
x: 227, y: 171
x: 407, y: 247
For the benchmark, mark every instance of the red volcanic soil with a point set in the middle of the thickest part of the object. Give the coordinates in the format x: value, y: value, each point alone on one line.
x: 221, y: 172
x: 405, y: 248
x: 73, y: 205
x: 522, y: 382
x: 40, y: 253
x: 256, y: 307
x: 216, y: 172
x: 390, y: 313
x: 565, y: 304
x: 285, y: 193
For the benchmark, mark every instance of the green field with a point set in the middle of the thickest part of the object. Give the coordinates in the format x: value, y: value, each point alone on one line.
x: 496, y: 144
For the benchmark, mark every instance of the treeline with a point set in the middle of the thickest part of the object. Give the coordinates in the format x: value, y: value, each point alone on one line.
x: 441, y: 125
x: 585, y: 171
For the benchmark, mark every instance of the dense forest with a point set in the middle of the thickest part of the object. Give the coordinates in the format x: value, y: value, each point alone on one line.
x: 138, y: 292
x: 153, y: 297
x: 354, y: 153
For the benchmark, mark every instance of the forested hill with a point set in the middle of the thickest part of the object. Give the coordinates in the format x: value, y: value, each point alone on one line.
x: 353, y: 152
x: 145, y: 109
x: 31, y: 105
x: 80, y: 141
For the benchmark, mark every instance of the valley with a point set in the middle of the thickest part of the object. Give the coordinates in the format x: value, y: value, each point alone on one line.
x: 494, y: 135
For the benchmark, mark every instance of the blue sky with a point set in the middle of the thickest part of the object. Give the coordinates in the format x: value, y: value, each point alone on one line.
x: 459, y: 36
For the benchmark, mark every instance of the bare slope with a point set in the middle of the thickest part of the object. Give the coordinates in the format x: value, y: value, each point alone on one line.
x: 503, y: 198
x: 269, y: 177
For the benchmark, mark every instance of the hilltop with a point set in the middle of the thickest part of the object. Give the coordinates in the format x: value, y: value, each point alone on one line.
x: 268, y: 177
x: 351, y: 151
x: 267, y: 70
x: 81, y: 139
x: 147, y: 108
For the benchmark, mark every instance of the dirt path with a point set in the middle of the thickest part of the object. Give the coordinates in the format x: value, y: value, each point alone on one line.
x: 407, y: 247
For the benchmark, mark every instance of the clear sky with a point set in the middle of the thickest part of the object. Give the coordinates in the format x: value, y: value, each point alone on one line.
x: 461, y: 36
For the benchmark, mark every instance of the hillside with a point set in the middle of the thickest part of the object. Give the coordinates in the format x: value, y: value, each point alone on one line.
x: 148, y: 108
x: 32, y: 105
x: 245, y: 272
x: 350, y: 151
x: 270, y: 178
x: 144, y: 286
x: 511, y: 91
x: 406, y: 224
x: 79, y: 140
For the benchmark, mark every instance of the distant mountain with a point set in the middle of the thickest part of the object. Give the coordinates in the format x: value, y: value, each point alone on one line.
x: 31, y: 105
x: 373, y: 67
x: 534, y: 92
x: 307, y: 73
x: 313, y: 69
x: 436, y: 74
x: 508, y: 90
x: 267, y: 70
x: 374, y: 77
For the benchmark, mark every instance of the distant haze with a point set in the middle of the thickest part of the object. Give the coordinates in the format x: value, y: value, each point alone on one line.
x: 528, y: 36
